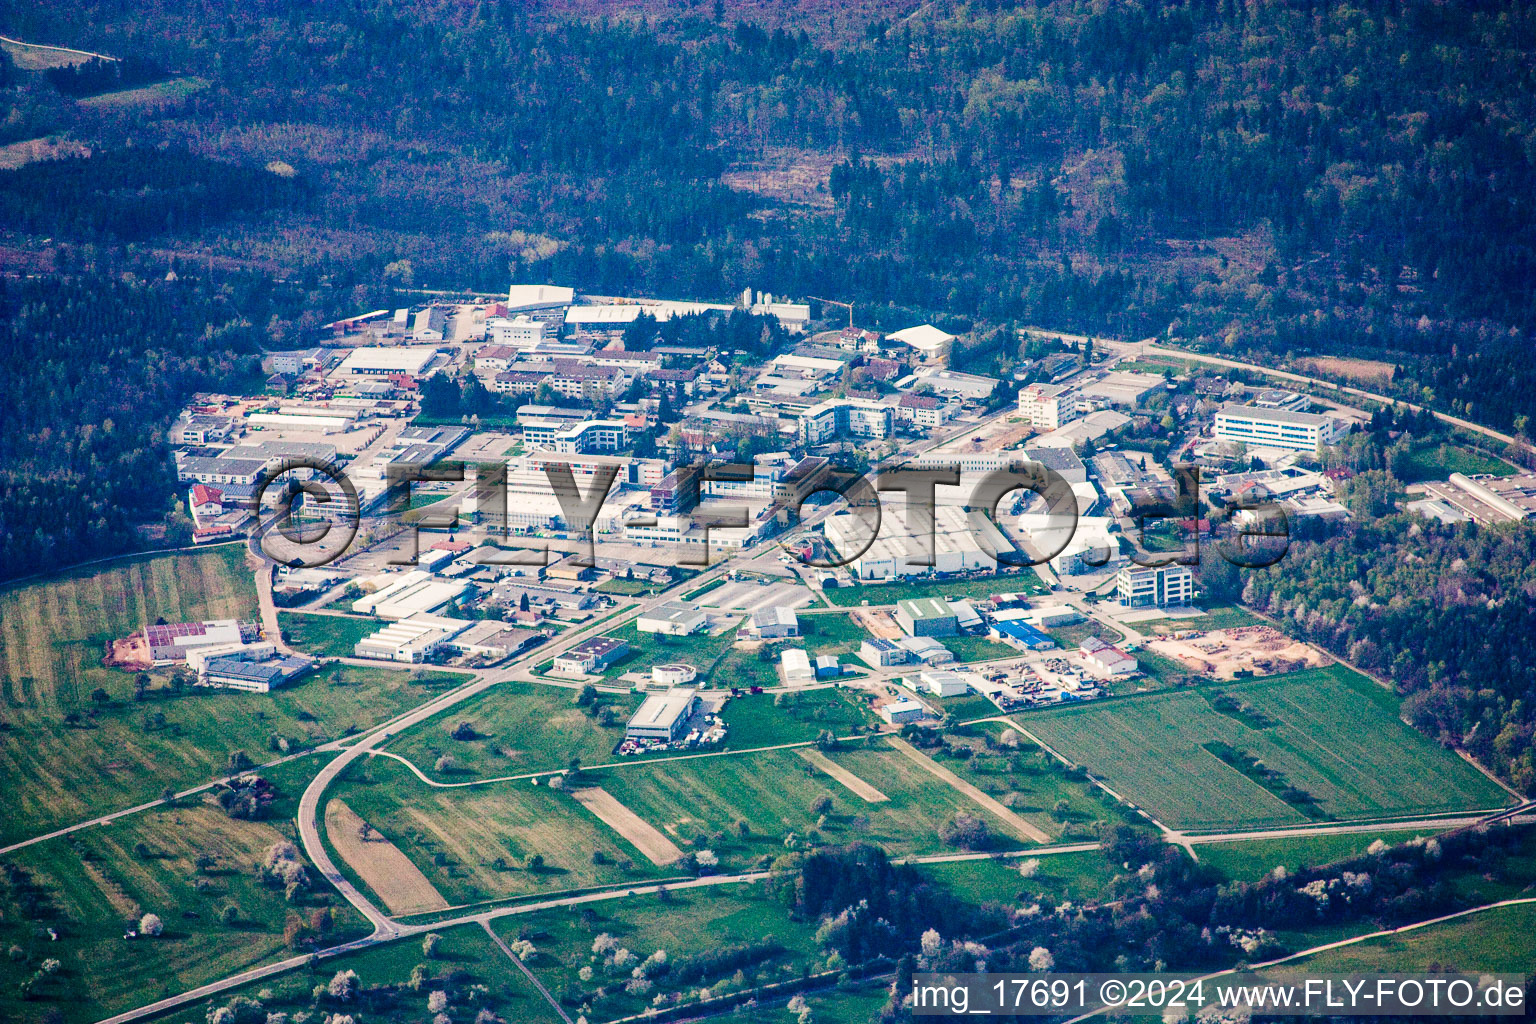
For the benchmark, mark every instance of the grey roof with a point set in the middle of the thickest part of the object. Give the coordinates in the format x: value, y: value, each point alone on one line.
x: 269, y: 672
x: 1255, y: 412
x: 777, y: 615
x: 1054, y: 457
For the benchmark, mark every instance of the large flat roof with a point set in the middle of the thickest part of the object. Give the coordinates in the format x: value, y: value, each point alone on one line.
x: 1254, y: 412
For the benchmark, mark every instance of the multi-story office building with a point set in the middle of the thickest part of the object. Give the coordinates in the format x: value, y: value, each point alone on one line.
x: 1277, y: 428
x: 1146, y: 587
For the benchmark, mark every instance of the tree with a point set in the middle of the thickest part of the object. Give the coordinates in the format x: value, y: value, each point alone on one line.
x: 445, y: 764
x: 464, y: 731
x: 1041, y: 960
x: 151, y: 925
x: 821, y: 805
x: 100, y: 696
x: 343, y: 985
x: 965, y: 831
x: 437, y: 1002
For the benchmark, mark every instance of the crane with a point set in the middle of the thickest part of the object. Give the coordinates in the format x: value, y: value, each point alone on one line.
x: 833, y: 302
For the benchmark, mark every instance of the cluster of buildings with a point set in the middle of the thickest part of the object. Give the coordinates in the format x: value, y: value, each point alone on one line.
x: 225, y: 653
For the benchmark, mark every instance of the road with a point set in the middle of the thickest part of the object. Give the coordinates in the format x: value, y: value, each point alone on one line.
x: 1152, y: 348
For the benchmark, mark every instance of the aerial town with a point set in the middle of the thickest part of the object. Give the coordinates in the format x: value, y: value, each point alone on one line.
x: 779, y: 513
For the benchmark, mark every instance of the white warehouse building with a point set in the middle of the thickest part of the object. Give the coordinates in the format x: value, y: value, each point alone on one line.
x: 963, y: 541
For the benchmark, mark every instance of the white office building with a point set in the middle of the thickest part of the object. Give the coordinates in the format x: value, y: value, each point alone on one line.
x: 1160, y: 587
x: 1048, y: 406
x: 1277, y: 428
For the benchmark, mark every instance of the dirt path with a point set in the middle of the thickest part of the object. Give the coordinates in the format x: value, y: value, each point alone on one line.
x: 640, y: 833
x: 1024, y: 829
x: 399, y: 883
x: 855, y: 785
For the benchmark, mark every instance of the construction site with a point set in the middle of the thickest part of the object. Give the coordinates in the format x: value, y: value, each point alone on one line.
x: 1259, y: 650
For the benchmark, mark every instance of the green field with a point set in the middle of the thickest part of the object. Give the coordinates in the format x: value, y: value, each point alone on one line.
x: 97, y: 882
x: 1493, y: 941
x: 648, y: 649
x: 1069, y: 638
x: 977, y: 648
x: 764, y: 720
x: 1439, y: 461
x: 326, y: 636
x: 1250, y: 859
x: 125, y: 752
x: 1226, y: 616
x: 1079, y: 877
x: 455, y: 836
x: 683, y: 924
x: 54, y: 632
x: 830, y: 633
x: 1024, y: 582
x: 1337, y: 737
x: 1027, y: 780
x: 519, y: 727
x: 465, y: 958
x: 41, y: 57
x: 698, y: 803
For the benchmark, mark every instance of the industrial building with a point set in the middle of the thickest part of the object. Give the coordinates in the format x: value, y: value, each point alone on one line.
x: 877, y: 652
x: 410, y: 640
x: 381, y: 362
x: 1277, y: 428
x: 773, y: 623
x: 930, y: 343
x: 900, y: 712
x: 1020, y: 635
x: 927, y: 616
x: 1108, y: 659
x: 797, y: 666
x: 409, y: 593
x: 236, y: 673
x: 174, y: 641
x: 963, y: 541
x: 663, y: 717
x: 946, y: 684
x: 1122, y: 389
x: 591, y: 656
x: 672, y: 619
x: 926, y: 650
x: 1155, y: 587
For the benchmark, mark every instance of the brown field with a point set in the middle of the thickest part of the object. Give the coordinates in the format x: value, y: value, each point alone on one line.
x: 851, y: 782
x: 41, y: 57
x: 1256, y: 650
x: 1021, y: 827
x: 641, y: 834
x: 390, y: 873
x: 1368, y: 371
x: 19, y: 154
x: 876, y: 623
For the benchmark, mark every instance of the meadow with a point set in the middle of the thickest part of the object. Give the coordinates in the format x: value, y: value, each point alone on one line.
x: 1025, y: 779
x: 763, y: 720
x: 684, y: 923
x: 477, y: 843
x: 1023, y: 582
x: 54, y: 631
x: 829, y: 633
x: 186, y: 864
x: 1335, y: 736
x: 326, y: 636
x: 702, y: 803
x: 519, y: 727
x: 648, y: 649
x: 124, y: 752
x: 465, y: 958
x: 1493, y: 941
x: 1079, y: 877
